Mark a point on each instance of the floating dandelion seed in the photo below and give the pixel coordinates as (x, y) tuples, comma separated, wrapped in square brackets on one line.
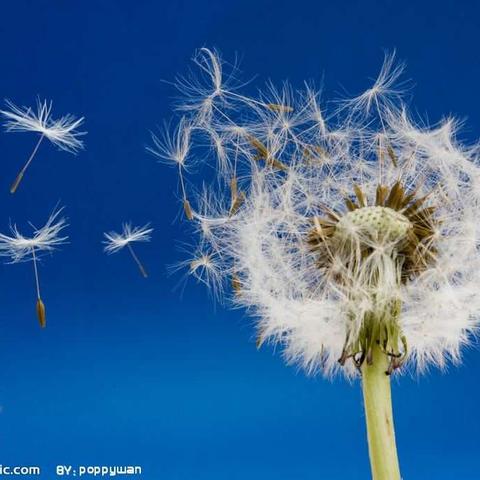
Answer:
[(385, 94), (356, 240), (62, 132), (203, 267), (22, 249), (210, 84), (175, 148), (116, 241)]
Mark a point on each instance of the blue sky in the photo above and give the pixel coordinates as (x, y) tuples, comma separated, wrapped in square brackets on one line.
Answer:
[(131, 371)]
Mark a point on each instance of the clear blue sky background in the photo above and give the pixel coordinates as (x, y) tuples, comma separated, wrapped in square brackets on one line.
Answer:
[(129, 371)]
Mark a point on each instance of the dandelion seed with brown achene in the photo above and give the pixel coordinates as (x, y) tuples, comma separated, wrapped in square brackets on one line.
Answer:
[(23, 249), (62, 132), (117, 241), (175, 149)]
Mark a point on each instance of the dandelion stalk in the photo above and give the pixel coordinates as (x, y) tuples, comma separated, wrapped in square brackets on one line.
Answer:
[(20, 175), (379, 417)]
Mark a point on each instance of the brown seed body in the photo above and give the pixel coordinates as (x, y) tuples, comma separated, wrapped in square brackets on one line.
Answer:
[(16, 183), (41, 314), (276, 107), (188, 210)]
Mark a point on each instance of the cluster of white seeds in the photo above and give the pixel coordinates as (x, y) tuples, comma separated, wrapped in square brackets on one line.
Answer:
[(280, 161)]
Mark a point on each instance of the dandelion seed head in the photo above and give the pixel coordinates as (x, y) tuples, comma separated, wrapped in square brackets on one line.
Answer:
[(375, 221), (338, 228)]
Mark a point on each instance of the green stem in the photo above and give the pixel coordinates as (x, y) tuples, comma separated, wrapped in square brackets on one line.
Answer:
[(379, 417)]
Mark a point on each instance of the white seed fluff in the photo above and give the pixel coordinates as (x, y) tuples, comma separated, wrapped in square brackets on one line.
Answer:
[(62, 132), (20, 248), (115, 241), (291, 162)]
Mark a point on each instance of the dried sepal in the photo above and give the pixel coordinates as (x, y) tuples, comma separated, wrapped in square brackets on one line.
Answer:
[(360, 196), (381, 195), (392, 155)]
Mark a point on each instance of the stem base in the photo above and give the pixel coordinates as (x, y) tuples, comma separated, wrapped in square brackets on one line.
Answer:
[(379, 417)]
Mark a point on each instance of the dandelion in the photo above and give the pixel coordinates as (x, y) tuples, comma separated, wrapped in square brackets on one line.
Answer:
[(355, 241), (62, 132), (116, 241), (22, 249)]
